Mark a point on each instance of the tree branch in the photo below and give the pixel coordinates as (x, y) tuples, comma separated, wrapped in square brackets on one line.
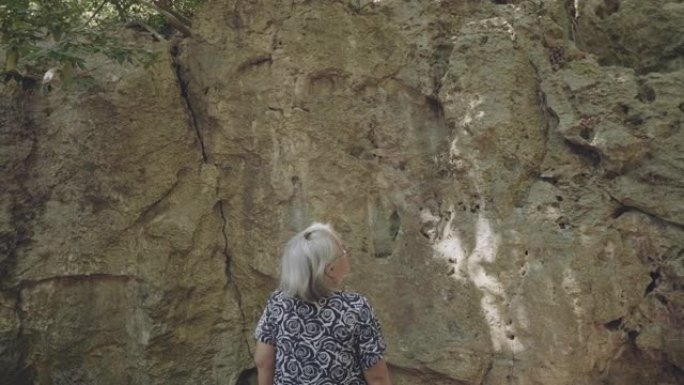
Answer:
[(164, 4), (152, 31), (96, 12), (170, 18)]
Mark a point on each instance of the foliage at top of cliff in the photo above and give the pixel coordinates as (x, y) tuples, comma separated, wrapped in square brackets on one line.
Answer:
[(37, 35)]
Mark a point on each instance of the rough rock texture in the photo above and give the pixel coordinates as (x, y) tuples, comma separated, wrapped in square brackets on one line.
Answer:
[(509, 177)]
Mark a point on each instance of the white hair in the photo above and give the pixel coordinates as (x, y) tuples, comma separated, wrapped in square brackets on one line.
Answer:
[(304, 260)]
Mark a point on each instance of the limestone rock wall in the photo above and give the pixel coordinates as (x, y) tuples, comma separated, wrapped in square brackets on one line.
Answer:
[(508, 177)]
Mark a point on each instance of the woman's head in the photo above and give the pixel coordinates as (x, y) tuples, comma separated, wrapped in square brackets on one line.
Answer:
[(314, 262)]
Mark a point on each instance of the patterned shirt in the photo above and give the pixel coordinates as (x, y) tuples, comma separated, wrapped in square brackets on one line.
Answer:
[(328, 343)]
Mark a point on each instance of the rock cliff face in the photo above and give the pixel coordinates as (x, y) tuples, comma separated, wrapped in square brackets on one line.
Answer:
[(508, 174)]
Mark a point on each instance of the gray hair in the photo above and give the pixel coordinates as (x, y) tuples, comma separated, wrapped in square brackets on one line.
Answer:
[(304, 261)]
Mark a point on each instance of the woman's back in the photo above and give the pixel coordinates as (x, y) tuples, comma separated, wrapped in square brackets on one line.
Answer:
[(328, 342)]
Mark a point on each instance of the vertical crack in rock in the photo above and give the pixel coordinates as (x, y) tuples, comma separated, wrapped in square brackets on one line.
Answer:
[(655, 280), (549, 116), (571, 8), (193, 118), (230, 277), (441, 57), (185, 96)]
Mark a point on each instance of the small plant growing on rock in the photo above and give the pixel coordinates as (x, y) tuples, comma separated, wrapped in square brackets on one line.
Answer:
[(44, 38)]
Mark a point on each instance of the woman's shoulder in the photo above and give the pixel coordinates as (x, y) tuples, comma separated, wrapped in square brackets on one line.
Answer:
[(278, 296), (353, 298)]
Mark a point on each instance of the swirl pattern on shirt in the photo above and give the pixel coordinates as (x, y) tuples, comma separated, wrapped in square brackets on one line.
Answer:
[(328, 343)]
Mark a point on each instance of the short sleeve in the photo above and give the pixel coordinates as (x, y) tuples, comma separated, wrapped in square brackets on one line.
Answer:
[(371, 342), (266, 328)]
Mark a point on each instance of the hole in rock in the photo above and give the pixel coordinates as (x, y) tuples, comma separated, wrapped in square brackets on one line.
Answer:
[(563, 223), (675, 371), (632, 335), (255, 62), (588, 153), (635, 120), (435, 106), (613, 325), (608, 8), (395, 224), (617, 213), (646, 93), (355, 151), (623, 108), (247, 377), (586, 133), (661, 298)]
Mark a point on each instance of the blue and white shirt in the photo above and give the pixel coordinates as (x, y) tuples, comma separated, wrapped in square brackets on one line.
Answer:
[(328, 343)]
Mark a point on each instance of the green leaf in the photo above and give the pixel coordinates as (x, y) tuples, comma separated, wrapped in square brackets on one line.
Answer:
[(58, 33)]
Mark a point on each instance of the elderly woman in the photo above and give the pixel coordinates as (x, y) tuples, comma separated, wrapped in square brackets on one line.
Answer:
[(311, 334)]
